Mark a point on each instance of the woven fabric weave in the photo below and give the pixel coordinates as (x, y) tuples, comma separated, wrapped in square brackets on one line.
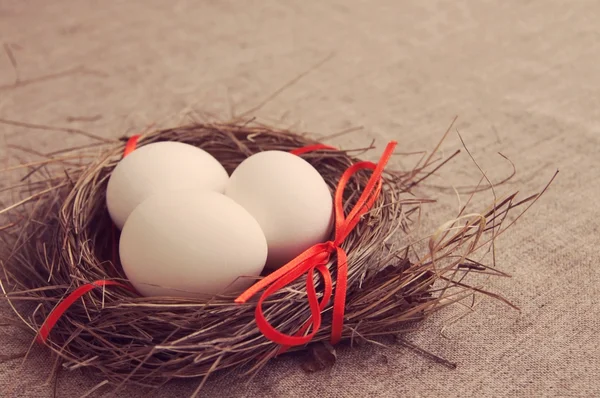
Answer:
[(523, 78)]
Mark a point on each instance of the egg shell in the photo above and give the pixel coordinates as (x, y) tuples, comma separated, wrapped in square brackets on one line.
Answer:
[(288, 197), (160, 167), (191, 243)]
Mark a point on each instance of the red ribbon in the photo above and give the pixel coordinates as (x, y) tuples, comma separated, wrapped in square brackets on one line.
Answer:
[(64, 305), (131, 144), (316, 258), (312, 148)]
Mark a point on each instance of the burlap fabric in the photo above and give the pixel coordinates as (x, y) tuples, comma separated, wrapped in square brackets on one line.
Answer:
[(523, 76)]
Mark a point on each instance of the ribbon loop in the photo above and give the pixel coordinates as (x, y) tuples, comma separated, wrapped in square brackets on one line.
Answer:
[(317, 258)]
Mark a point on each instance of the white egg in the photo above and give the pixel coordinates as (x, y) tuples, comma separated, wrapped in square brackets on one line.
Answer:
[(289, 199), (191, 243), (160, 167)]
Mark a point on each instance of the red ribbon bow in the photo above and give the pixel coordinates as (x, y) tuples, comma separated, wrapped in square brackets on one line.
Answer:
[(317, 257)]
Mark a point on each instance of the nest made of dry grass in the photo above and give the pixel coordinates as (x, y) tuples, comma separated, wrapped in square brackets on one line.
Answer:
[(59, 236)]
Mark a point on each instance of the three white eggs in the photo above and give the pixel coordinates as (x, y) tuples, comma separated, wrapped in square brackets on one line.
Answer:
[(190, 230)]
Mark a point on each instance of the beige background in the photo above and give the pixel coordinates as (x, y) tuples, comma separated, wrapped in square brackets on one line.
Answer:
[(523, 76)]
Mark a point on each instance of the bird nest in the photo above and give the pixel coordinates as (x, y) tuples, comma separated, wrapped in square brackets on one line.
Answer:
[(58, 237)]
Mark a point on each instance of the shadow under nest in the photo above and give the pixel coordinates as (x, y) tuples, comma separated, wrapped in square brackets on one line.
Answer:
[(60, 237)]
